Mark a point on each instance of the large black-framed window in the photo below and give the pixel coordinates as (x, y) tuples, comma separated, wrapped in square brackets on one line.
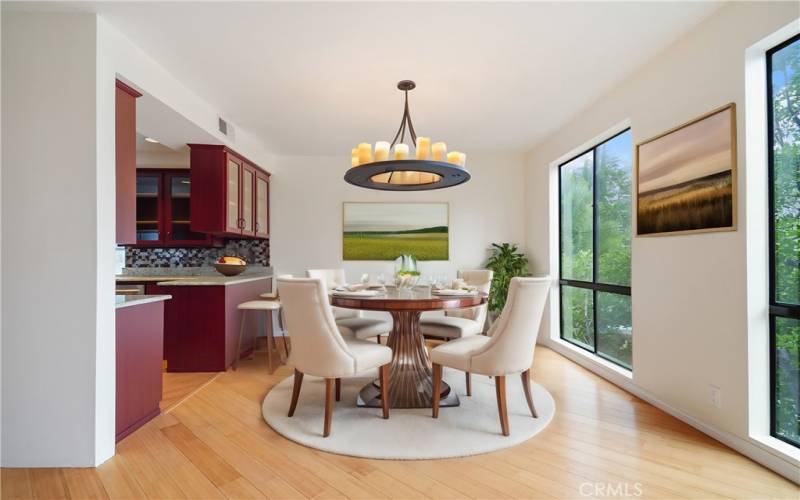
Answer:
[(783, 110), (595, 249)]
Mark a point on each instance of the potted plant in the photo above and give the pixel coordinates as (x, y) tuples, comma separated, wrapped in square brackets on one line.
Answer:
[(506, 261)]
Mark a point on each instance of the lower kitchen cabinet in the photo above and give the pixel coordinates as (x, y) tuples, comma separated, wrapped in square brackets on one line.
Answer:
[(140, 347), (202, 322)]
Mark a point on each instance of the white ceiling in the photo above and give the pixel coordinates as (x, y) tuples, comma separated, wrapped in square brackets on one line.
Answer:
[(317, 78)]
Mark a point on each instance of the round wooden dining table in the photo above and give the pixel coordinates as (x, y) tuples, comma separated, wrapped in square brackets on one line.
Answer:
[(410, 383)]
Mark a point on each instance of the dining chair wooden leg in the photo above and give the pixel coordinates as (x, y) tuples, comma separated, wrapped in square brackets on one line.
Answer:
[(437, 387), (329, 383), (285, 333), (239, 344), (500, 389), (338, 389), (298, 381), (469, 383), (384, 376), (526, 386), (378, 339), (268, 331)]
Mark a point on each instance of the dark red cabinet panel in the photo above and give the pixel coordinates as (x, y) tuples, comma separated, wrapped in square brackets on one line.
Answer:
[(140, 348), (125, 137), (201, 324), (163, 210), (225, 186)]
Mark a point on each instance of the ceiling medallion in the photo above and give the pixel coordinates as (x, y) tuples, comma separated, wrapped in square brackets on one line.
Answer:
[(389, 168)]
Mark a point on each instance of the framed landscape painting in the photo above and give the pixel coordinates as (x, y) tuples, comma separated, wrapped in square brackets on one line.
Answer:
[(385, 231), (686, 177)]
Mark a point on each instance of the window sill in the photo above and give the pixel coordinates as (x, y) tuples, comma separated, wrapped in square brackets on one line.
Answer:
[(777, 447), (562, 345)]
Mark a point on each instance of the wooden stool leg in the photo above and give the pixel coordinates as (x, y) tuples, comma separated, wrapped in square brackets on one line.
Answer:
[(298, 381), (328, 406), (239, 344), (384, 376), (500, 389), (338, 389), (526, 386), (437, 387), (469, 383)]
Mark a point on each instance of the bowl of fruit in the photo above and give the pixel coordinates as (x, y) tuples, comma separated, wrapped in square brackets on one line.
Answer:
[(230, 266)]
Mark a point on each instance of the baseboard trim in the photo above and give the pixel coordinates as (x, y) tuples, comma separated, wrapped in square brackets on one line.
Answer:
[(785, 466)]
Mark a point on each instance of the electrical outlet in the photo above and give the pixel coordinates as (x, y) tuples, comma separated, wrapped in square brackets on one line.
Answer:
[(715, 395)]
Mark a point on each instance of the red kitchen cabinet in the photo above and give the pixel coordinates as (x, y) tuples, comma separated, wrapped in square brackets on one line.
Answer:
[(202, 324), (230, 193), (262, 205), (163, 210), (140, 349), (125, 137)]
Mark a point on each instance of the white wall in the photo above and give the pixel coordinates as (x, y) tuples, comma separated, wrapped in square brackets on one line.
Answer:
[(51, 320), (306, 217), (58, 347), (689, 292)]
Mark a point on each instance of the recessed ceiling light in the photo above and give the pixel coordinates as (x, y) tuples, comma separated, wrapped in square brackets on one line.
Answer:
[(150, 139)]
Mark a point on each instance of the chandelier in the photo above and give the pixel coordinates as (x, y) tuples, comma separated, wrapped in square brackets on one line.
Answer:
[(389, 167)]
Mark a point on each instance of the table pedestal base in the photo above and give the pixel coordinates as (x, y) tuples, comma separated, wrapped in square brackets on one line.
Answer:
[(410, 383)]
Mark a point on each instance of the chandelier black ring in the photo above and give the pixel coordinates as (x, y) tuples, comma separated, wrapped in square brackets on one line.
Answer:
[(450, 174), (409, 174)]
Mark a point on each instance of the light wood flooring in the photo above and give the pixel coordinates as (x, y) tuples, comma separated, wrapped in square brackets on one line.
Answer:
[(602, 442)]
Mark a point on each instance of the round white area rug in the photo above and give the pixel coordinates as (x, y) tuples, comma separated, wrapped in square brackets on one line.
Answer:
[(469, 429)]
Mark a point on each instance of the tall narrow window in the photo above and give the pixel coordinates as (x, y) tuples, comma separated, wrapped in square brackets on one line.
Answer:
[(595, 194), (783, 81)]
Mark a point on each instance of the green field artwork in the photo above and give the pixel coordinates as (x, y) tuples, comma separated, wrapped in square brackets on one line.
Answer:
[(385, 231)]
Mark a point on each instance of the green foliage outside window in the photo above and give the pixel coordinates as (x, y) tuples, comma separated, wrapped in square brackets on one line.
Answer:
[(609, 180), (785, 103)]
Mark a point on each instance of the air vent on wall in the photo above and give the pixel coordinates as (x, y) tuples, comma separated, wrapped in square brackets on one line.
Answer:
[(223, 125)]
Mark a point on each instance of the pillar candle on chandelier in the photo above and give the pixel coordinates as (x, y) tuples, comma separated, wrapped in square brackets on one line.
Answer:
[(439, 151), (401, 151), (364, 153), (381, 151)]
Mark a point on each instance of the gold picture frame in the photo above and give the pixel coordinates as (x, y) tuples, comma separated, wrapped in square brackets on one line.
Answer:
[(691, 191), (435, 250)]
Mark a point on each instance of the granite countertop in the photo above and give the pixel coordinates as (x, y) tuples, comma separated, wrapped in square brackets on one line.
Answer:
[(213, 280), (137, 279), (135, 300), (198, 276)]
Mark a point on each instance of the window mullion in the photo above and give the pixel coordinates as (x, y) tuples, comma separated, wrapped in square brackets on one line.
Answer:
[(594, 244)]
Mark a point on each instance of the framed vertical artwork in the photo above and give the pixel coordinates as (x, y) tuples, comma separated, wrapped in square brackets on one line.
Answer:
[(686, 177)]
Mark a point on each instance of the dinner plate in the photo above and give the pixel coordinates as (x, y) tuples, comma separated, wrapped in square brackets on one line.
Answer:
[(455, 293), (357, 293)]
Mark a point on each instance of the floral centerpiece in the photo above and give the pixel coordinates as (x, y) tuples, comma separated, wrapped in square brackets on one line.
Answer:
[(406, 273)]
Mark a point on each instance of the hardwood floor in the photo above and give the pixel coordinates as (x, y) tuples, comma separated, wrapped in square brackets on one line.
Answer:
[(179, 386), (602, 442)]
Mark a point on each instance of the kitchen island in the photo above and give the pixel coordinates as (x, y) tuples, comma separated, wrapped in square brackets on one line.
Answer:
[(202, 321), (139, 354)]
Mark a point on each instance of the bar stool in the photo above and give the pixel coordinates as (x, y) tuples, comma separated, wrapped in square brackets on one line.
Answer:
[(273, 297), (268, 306)]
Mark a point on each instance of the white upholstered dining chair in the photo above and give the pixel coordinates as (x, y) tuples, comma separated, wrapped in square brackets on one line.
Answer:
[(458, 323), (350, 321), (508, 349), (318, 349)]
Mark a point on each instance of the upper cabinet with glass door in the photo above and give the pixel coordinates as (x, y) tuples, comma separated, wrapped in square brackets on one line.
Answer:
[(231, 194), (163, 210)]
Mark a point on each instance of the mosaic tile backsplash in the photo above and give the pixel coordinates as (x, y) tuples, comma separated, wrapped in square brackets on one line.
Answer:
[(253, 251)]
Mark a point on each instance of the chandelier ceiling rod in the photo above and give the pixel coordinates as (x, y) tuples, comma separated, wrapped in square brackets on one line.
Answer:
[(405, 86)]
